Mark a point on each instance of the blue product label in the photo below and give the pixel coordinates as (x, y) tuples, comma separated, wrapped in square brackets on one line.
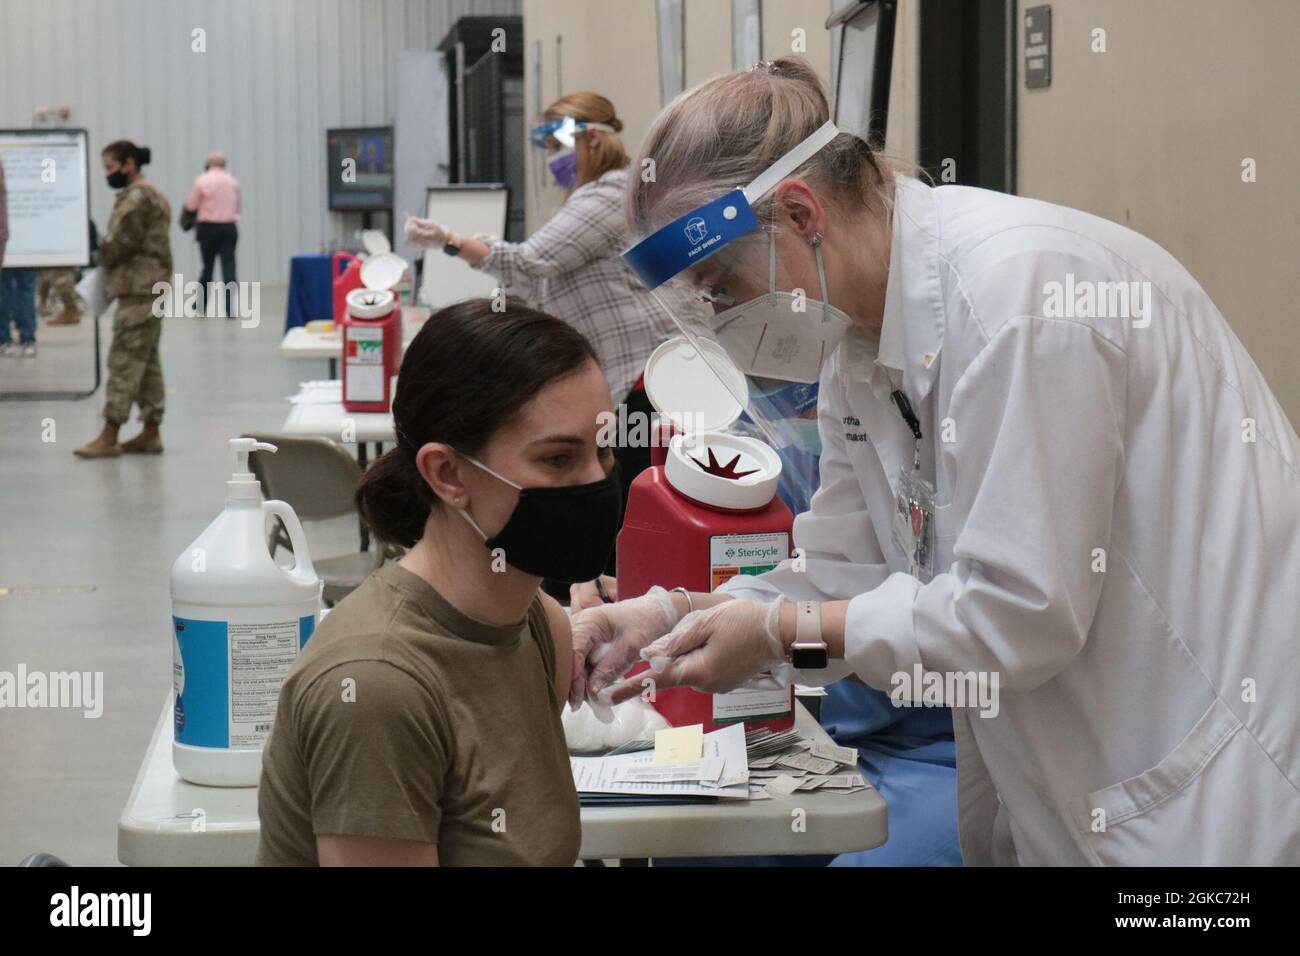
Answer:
[(229, 677), (202, 704)]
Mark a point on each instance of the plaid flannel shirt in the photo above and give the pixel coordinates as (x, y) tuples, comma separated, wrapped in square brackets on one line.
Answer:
[(571, 267)]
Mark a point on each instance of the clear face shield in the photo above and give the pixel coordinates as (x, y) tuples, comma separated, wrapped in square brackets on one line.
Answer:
[(559, 138), (758, 294)]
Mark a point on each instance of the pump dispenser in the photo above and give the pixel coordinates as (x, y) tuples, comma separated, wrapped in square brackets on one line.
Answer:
[(239, 621), (243, 483)]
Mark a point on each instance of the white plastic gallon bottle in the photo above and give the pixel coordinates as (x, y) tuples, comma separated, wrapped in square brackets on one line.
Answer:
[(239, 621)]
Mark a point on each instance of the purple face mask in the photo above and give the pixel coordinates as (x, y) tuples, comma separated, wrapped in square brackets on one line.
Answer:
[(564, 167)]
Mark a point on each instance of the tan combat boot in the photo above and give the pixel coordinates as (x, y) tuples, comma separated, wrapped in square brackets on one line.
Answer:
[(148, 442), (104, 446), (66, 317)]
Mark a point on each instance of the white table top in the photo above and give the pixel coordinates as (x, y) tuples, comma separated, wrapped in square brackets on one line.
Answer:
[(317, 412), (299, 343), (158, 825)]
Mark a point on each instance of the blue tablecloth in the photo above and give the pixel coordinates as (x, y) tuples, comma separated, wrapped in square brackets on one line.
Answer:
[(311, 290)]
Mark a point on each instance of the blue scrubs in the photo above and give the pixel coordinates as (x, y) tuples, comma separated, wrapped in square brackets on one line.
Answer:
[(909, 755)]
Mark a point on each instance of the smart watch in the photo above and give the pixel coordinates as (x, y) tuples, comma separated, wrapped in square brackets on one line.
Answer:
[(809, 651), (449, 247)]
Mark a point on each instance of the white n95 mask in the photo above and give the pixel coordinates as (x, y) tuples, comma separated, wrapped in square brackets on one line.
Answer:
[(782, 335), (769, 350)]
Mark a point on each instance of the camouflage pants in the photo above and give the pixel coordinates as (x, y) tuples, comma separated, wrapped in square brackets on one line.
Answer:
[(134, 371), (59, 285)]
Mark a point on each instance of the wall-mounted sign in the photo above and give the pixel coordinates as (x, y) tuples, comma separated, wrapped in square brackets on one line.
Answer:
[(1038, 47)]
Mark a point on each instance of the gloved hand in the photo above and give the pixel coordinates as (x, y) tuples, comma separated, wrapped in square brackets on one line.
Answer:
[(425, 233), (735, 644), (608, 638)]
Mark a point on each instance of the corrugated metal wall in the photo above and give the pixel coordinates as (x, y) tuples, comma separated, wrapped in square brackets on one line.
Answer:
[(275, 75)]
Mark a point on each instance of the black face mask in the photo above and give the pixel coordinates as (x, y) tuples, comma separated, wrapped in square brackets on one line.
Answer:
[(563, 533), (116, 180)]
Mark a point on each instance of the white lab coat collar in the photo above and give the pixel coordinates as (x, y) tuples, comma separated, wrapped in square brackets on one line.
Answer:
[(912, 329), (890, 351)]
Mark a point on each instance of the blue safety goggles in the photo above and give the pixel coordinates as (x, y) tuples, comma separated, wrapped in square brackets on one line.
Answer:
[(564, 131), (693, 237)]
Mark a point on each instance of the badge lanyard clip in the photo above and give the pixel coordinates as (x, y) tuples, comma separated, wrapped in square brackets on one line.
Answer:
[(914, 507), (913, 423)]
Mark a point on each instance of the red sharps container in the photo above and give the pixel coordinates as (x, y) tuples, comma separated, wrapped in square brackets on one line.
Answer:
[(372, 336), (705, 511)]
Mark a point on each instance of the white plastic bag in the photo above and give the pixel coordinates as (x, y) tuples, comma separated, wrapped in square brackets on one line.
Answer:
[(634, 719), (91, 290)]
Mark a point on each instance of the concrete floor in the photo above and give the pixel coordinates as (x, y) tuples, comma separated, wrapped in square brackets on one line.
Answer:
[(86, 549)]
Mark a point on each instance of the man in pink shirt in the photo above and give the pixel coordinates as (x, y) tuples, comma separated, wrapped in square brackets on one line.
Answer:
[(215, 199)]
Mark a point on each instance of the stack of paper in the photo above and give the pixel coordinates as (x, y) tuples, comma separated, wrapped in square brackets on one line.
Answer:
[(685, 762), (324, 392), (783, 763)]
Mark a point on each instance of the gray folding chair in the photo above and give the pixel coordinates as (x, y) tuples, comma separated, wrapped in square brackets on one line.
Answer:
[(41, 859), (318, 478)]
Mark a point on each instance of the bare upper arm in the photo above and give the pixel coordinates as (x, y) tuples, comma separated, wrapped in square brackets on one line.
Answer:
[(562, 637), (332, 850)]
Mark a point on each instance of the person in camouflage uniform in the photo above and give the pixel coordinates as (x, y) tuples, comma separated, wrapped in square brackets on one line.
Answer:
[(59, 285), (134, 254)]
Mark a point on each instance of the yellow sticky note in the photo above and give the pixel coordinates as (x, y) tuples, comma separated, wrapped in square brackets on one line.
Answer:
[(679, 744)]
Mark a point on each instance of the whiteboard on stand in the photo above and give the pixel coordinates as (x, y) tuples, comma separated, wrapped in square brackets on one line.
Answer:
[(465, 209), (48, 186)]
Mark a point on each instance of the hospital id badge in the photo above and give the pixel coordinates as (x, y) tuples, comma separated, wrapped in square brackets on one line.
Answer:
[(914, 522)]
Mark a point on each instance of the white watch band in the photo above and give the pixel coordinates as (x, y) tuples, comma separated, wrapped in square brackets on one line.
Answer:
[(808, 622)]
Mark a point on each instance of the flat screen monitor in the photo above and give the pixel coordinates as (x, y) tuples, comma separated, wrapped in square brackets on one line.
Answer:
[(360, 170), (48, 188)]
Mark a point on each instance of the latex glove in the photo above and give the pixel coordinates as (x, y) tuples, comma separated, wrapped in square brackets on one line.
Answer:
[(425, 233), (585, 595), (608, 639), (735, 644)]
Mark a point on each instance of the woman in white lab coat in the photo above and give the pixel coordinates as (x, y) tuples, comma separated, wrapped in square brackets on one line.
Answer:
[(1056, 493)]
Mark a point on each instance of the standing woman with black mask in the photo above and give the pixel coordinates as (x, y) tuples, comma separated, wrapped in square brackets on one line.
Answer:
[(135, 254), (421, 723)]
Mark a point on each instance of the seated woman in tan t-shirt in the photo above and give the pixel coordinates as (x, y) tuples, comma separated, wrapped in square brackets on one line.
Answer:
[(421, 723)]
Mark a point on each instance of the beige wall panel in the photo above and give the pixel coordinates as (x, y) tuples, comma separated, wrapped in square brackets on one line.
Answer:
[(608, 47), (1152, 134), (708, 39), (782, 17), (613, 49), (904, 84)]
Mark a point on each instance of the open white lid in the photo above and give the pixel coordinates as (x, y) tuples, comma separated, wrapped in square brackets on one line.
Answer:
[(370, 303), (374, 242), (382, 270), (685, 388)]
